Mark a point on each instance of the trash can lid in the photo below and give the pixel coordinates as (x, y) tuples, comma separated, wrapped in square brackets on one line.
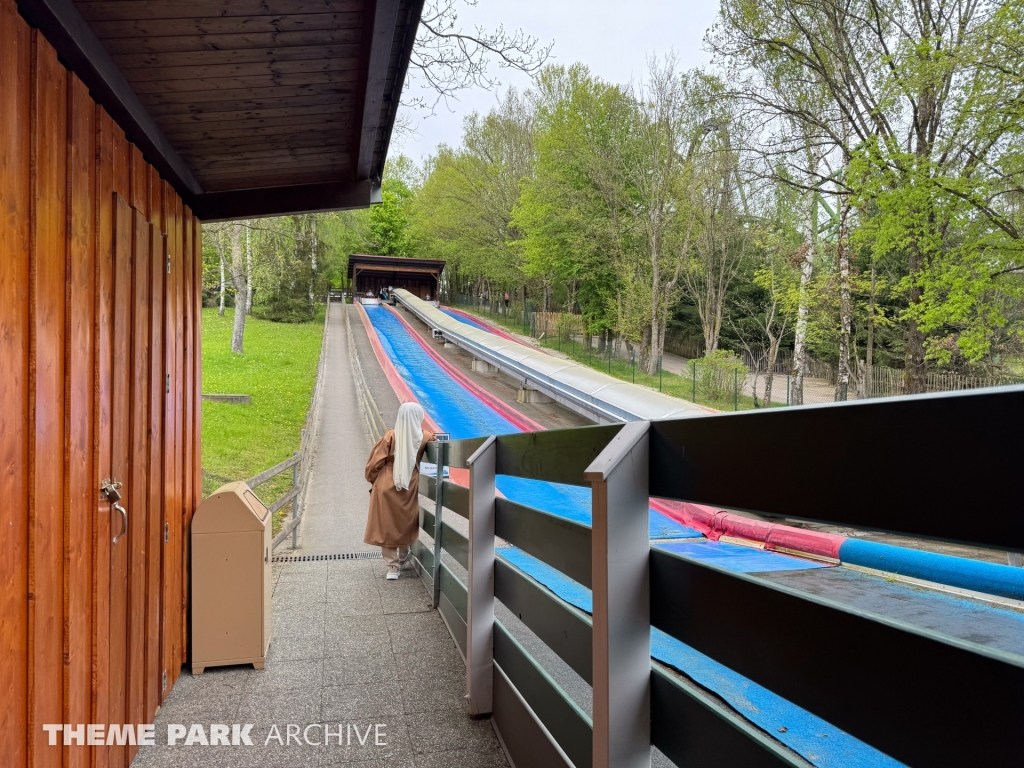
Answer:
[(232, 507)]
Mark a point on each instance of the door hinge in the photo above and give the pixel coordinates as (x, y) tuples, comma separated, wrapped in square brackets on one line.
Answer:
[(168, 263), (167, 532), (167, 384), (164, 680)]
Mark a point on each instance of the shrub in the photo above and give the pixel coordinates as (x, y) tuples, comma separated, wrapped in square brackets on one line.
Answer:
[(719, 373), (286, 309)]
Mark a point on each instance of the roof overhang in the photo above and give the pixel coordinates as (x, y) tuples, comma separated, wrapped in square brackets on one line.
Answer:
[(247, 109), (393, 264)]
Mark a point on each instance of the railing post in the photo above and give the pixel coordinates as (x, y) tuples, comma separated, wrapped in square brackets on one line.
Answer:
[(621, 600), (295, 501), (480, 608), (435, 589)]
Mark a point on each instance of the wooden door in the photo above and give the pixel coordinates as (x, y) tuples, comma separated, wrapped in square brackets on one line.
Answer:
[(120, 443)]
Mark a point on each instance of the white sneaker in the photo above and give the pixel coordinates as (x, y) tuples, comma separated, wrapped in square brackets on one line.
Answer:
[(392, 575)]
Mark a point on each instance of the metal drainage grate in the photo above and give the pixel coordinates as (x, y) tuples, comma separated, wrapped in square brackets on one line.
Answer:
[(317, 558)]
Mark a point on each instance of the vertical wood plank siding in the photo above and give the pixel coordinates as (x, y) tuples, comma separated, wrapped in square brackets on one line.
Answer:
[(92, 324), (15, 427)]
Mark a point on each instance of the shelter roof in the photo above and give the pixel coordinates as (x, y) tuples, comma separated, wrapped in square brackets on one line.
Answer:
[(248, 107), (394, 264)]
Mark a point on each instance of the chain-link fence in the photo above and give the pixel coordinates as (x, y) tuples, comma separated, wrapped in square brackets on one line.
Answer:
[(721, 380)]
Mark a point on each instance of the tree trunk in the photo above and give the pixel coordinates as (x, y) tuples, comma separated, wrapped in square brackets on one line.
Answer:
[(845, 309), (238, 276), (312, 258), (803, 308), (248, 269), (647, 355), (769, 376), (915, 374), (868, 355), (220, 251)]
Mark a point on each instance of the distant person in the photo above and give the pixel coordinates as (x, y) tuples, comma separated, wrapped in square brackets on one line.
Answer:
[(393, 522), (506, 299), (369, 293)]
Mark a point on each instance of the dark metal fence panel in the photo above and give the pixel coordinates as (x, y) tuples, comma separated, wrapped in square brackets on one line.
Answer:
[(453, 542), (452, 606), (564, 720), (558, 455), (561, 627), (561, 543), (456, 497), (930, 460), (921, 697), (691, 728)]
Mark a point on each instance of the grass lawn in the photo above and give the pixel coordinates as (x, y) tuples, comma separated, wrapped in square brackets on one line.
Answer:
[(278, 370)]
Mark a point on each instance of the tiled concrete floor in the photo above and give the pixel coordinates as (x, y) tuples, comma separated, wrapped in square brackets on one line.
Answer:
[(349, 648)]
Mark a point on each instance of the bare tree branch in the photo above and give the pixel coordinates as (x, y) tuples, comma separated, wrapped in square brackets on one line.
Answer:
[(450, 59)]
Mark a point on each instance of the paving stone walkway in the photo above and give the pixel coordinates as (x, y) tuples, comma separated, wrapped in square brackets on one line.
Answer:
[(349, 650)]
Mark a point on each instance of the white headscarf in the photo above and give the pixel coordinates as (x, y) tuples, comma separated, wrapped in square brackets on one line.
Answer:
[(408, 436)]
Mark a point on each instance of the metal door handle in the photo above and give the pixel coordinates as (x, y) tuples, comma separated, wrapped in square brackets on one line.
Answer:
[(111, 490), (124, 522)]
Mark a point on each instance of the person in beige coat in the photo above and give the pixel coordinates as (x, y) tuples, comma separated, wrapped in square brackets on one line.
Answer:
[(393, 522)]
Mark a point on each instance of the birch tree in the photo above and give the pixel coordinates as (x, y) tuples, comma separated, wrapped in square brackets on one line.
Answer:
[(241, 281)]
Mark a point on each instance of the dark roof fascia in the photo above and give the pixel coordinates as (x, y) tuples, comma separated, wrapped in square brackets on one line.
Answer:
[(282, 201), (82, 52), (412, 28), (381, 40), (397, 262)]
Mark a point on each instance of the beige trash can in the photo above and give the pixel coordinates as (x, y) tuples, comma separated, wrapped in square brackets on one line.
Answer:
[(231, 585)]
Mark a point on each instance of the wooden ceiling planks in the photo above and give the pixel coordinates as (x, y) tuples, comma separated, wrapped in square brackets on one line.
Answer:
[(239, 41), (211, 58), (305, 105), (227, 25), (296, 125), (210, 72), (130, 10), (252, 94)]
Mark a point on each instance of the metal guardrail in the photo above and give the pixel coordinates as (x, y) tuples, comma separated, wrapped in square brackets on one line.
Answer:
[(608, 400), (916, 694)]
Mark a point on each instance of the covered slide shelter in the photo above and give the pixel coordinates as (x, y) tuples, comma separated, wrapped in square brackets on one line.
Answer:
[(126, 124), (420, 277)]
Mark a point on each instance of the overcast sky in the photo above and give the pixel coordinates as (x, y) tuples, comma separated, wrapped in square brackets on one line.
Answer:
[(612, 37)]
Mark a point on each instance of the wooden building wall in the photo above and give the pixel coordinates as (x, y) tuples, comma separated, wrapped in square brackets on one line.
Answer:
[(100, 269)]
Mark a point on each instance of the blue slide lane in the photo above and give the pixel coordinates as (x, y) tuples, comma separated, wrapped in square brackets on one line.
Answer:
[(819, 742), (462, 414), (466, 320), (739, 559), (990, 578)]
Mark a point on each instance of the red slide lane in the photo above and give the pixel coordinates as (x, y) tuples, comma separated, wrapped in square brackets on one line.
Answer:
[(716, 523)]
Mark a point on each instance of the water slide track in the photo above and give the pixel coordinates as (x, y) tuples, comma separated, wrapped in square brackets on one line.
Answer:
[(468, 411), (458, 405)]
